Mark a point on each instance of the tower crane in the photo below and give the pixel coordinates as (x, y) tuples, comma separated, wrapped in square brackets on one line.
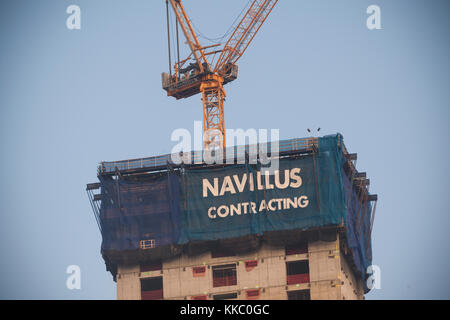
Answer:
[(198, 74)]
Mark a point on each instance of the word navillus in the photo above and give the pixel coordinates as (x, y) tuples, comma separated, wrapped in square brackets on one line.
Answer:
[(234, 184), (264, 206)]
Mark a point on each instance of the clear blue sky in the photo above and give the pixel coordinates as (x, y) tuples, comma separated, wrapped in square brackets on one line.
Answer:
[(70, 99)]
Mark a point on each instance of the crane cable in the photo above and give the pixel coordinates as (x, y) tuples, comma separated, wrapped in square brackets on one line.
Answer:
[(226, 34), (171, 40), (168, 38), (230, 29)]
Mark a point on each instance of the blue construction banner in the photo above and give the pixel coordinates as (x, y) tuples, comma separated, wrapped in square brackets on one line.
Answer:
[(239, 200)]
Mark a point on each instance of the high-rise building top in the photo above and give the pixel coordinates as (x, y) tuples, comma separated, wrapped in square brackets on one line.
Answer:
[(236, 229)]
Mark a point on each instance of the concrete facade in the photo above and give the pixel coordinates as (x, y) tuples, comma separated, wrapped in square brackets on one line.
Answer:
[(330, 275)]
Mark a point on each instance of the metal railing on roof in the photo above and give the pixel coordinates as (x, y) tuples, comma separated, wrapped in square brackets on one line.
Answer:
[(152, 163)]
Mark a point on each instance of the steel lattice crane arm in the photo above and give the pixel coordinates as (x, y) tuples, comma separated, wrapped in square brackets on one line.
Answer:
[(189, 33), (244, 34)]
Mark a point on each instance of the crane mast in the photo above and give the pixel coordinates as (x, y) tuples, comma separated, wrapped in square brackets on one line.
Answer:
[(201, 77)]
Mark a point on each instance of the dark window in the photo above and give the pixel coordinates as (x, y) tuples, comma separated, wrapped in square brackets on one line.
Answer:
[(227, 296), (222, 253), (297, 272), (299, 295), (297, 249), (151, 266), (297, 267), (224, 275), (150, 284), (152, 288)]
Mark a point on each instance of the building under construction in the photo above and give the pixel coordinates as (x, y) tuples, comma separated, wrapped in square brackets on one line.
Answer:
[(235, 231)]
